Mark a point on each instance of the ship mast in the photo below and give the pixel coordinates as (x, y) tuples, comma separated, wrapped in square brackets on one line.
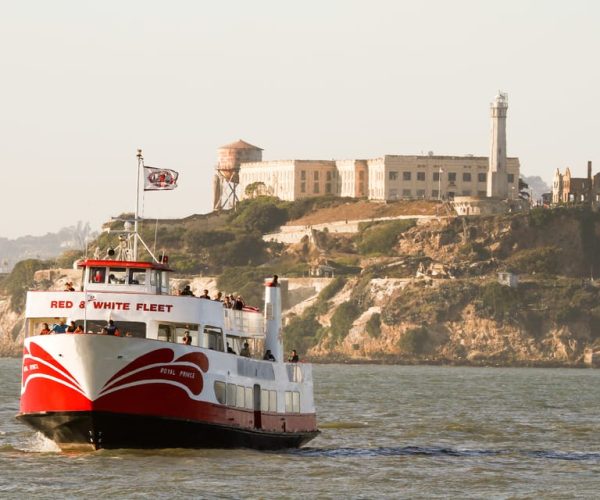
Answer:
[(137, 204)]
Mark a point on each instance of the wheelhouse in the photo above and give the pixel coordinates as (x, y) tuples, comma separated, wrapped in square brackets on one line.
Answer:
[(125, 276)]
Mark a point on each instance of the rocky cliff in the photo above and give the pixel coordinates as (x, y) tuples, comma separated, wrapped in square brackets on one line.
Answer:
[(434, 295)]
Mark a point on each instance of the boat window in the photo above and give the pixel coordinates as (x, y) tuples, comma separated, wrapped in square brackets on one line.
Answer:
[(165, 333), (288, 402), (272, 400), (268, 400), (137, 276), (249, 398), (126, 328), (220, 391), (240, 397), (191, 329), (231, 393), (264, 400), (97, 274), (164, 283), (117, 275), (212, 338), (296, 402)]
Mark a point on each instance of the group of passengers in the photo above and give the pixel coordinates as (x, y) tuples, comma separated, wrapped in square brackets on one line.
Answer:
[(229, 301), (73, 327)]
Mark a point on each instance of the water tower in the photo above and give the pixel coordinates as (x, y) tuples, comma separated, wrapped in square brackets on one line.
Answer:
[(227, 175)]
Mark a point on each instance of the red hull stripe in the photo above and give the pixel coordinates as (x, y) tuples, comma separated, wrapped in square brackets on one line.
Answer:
[(158, 400)]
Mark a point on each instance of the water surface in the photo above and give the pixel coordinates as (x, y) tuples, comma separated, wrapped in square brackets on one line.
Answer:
[(388, 432)]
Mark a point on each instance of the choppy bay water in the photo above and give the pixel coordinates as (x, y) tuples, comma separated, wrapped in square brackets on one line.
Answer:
[(388, 432)]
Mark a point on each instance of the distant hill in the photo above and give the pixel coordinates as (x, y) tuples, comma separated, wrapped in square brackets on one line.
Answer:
[(43, 247), (537, 185)]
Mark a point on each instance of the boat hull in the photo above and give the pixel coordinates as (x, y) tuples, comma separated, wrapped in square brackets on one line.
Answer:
[(97, 429)]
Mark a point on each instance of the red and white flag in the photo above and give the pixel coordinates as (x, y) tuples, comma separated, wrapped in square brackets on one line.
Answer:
[(159, 179)]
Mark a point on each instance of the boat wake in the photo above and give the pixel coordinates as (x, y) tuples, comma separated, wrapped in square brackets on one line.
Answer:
[(432, 451), (38, 443)]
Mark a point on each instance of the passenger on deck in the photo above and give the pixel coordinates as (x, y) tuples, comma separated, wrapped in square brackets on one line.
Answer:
[(227, 303), (79, 329), (187, 339), (218, 297), (230, 350), (111, 328), (59, 327), (69, 287), (239, 303), (71, 328), (186, 291), (245, 352), (293, 357), (45, 329), (205, 295), (269, 356)]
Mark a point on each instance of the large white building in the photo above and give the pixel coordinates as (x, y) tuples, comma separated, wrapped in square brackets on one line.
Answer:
[(390, 177)]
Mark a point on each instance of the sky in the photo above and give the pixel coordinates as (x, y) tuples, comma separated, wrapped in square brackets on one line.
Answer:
[(86, 83)]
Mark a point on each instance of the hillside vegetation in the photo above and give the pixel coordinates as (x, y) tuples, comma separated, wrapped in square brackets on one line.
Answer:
[(403, 291)]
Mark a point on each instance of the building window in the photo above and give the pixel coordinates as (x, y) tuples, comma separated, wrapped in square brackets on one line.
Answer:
[(316, 187), (466, 176), (451, 177), (420, 193), (406, 176), (303, 187), (328, 188), (393, 176), (361, 175), (328, 176), (435, 194), (511, 178), (481, 177), (316, 175), (466, 192), (450, 195), (483, 194), (420, 176), (406, 193), (436, 176), (393, 194), (302, 175)]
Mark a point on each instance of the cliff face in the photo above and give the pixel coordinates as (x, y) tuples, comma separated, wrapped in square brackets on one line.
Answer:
[(461, 332), (435, 298)]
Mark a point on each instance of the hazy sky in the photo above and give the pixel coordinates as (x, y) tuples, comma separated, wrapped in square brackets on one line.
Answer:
[(85, 83)]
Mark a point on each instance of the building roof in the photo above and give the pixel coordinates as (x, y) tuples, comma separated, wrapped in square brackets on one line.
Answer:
[(240, 145)]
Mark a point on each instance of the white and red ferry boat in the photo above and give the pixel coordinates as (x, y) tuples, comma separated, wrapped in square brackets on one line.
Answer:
[(146, 388)]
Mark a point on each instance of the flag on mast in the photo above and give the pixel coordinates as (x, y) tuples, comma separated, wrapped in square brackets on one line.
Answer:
[(159, 179)]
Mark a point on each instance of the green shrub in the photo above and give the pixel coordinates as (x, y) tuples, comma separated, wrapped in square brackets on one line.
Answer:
[(300, 333), (541, 260), (245, 249), (334, 286), (20, 280), (475, 250), (342, 320), (382, 238), (198, 238), (373, 326), (262, 214), (498, 301), (415, 340)]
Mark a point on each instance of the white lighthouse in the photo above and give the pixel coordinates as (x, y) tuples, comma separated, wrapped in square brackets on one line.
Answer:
[(497, 179)]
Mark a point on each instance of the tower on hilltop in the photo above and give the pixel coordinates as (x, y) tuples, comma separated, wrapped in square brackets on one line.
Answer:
[(497, 179), (227, 175)]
